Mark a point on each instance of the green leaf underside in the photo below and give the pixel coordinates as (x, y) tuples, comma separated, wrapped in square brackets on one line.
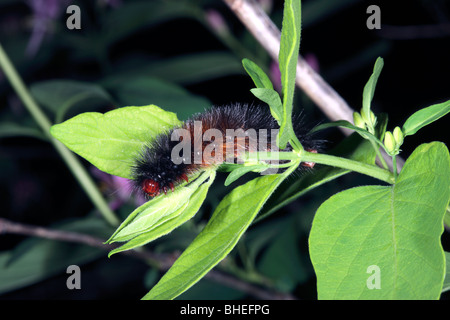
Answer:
[(258, 76), (150, 213), (264, 89), (62, 94), (396, 228), (288, 57), (272, 98), (240, 171), (229, 221), (424, 117), (369, 88), (110, 141), (174, 219)]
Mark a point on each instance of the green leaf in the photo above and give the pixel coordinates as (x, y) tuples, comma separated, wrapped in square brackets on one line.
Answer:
[(153, 212), (140, 90), (369, 88), (395, 228), (193, 67), (12, 129), (282, 260), (272, 98), (171, 220), (231, 218), (61, 95), (110, 141), (424, 117), (258, 76), (288, 57), (242, 170), (134, 16)]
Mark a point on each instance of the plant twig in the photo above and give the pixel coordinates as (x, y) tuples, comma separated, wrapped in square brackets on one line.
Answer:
[(268, 35), (42, 120), (161, 261)]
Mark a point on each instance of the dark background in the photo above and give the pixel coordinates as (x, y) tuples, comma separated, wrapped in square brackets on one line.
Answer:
[(135, 53)]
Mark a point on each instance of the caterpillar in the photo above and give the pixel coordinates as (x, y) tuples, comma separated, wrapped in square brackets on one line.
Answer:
[(220, 134)]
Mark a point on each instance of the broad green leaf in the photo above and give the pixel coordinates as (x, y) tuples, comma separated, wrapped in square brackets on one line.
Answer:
[(395, 228), (110, 141), (272, 98), (261, 235), (424, 117), (369, 88), (61, 95), (183, 70), (282, 261), (140, 90), (174, 219), (11, 129), (446, 285), (151, 214), (231, 218), (193, 67), (288, 57), (157, 211), (134, 16), (258, 76)]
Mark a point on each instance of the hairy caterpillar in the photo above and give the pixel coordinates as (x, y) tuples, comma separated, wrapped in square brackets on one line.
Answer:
[(211, 138)]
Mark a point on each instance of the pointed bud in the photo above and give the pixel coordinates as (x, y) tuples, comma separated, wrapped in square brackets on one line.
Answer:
[(363, 116), (398, 136), (389, 143), (358, 121)]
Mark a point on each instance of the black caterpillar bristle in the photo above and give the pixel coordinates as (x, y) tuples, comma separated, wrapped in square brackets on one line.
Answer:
[(154, 171)]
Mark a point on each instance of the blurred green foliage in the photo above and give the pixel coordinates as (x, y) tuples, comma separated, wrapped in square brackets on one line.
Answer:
[(183, 56)]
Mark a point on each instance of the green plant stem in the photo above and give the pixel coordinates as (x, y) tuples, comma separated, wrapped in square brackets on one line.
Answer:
[(325, 159), (361, 167), (72, 162), (379, 155), (394, 166), (295, 143)]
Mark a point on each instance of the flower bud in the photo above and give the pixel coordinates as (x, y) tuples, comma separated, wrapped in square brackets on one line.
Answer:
[(389, 143), (398, 136), (363, 116), (358, 121)]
